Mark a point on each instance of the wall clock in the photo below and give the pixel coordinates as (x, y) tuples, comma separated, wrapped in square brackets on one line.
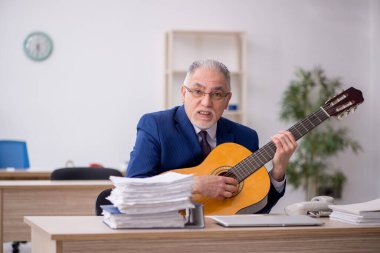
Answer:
[(38, 46)]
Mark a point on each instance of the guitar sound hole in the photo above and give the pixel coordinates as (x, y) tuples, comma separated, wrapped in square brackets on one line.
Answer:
[(227, 174)]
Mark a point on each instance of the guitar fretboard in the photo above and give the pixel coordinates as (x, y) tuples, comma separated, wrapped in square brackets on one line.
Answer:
[(258, 159)]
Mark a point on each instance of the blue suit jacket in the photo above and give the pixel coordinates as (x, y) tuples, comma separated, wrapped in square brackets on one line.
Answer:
[(166, 140)]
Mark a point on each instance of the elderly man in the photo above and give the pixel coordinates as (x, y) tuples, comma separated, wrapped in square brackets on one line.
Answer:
[(170, 139)]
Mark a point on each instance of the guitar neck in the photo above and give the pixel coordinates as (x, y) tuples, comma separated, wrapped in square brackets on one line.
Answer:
[(258, 159)]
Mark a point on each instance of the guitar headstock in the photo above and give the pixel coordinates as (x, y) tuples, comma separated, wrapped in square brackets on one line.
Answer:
[(343, 103)]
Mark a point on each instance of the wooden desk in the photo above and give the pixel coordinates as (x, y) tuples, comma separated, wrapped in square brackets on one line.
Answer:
[(24, 175), (27, 175), (43, 197), (89, 234)]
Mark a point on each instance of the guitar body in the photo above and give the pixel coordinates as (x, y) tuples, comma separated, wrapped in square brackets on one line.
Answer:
[(252, 192)]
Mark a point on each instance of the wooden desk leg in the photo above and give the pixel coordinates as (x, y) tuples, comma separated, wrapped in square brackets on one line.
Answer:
[(41, 242), (1, 221)]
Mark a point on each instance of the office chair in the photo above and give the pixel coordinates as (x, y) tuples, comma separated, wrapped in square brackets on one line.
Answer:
[(84, 173), (13, 154), (88, 173), (101, 200)]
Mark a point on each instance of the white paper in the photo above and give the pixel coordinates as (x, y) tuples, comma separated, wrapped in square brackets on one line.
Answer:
[(359, 213), (358, 208), (166, 178), (152, 202)]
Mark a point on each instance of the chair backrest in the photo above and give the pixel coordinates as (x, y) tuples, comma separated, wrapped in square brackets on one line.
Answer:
[(13, 154), (101, 200), (84, 173)]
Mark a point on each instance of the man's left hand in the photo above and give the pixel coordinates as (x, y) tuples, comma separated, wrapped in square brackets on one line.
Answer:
[(285, 146)]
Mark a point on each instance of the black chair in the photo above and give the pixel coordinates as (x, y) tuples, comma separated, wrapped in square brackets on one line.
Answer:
[(88, 173), (84, 173), (101, 200)]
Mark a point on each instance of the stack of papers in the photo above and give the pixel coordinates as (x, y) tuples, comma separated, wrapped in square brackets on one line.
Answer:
[(367, 213), (149, 202)]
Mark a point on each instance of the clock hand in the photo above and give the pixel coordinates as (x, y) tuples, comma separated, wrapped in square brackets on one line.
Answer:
[(38, 47)]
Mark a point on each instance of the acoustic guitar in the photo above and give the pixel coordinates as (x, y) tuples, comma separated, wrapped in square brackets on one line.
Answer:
[(233, 160)]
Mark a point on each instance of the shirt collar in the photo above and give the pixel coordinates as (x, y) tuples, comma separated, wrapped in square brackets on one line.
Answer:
[(210, 131)]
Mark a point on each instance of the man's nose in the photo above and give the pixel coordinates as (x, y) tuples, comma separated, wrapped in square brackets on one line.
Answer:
[(206, 100)]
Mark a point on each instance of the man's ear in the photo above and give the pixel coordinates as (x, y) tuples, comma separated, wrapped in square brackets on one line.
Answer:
[(228, 100), (183, 92)]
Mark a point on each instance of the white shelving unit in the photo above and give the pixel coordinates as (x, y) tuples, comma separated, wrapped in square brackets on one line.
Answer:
[(228, 47)]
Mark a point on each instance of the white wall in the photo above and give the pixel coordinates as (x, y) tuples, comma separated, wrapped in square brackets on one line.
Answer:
[(107, 69), (375, 87)]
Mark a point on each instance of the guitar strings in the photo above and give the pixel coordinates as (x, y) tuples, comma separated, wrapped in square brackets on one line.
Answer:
[(266, 153)]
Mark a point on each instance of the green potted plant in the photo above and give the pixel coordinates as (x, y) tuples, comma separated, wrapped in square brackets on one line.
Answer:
[(309, 166)]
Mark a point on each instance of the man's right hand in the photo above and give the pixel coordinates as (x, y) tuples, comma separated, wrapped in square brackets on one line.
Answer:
[(217, 187)]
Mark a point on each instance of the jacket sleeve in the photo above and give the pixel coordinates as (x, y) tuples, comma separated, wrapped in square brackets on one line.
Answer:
[(145, 156), (273, 197)]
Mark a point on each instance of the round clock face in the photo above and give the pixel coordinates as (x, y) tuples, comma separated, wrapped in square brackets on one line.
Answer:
[(38, 46)]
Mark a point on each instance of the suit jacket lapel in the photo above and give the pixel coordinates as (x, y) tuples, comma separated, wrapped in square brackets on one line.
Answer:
[(224, 133)]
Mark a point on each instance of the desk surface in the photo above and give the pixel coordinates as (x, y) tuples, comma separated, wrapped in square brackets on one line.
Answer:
[(24, 175), (49, 184), (86, 227), (91, 235), (27, 174)]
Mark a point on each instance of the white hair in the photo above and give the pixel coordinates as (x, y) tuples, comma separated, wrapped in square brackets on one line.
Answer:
[(211, 64)]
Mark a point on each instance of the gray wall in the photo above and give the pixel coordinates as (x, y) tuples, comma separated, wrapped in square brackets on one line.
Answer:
[(107, 69)]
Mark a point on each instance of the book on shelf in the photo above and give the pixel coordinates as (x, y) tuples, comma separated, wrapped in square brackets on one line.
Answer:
[(358, 213)]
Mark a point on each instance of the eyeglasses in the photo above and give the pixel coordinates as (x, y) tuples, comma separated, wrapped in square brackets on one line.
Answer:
[(215, 95)]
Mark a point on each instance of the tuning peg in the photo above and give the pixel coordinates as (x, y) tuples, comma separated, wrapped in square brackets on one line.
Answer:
[(343, 115)]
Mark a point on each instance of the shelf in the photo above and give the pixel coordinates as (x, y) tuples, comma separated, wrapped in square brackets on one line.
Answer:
[(183, 71), (184, 47), (235, 113)]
